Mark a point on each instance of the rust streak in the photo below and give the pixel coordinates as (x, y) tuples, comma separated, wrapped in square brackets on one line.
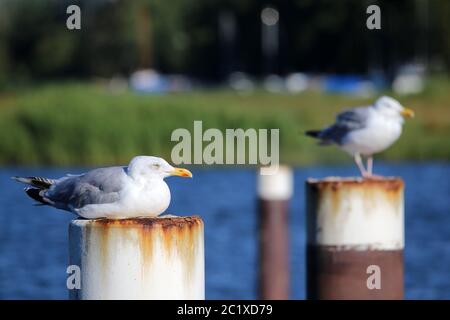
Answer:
[(335, 184), (167, 225), (176, 233), (145, 242), (147, 222), (334, 188), (104, 236)]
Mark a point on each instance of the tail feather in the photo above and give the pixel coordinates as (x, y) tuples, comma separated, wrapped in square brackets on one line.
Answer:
[(313, 133), (318, 134), (37, 182), (36, 194), (38, 186)]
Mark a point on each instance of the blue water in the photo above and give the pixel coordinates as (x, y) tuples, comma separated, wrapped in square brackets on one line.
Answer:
[(33, 239)]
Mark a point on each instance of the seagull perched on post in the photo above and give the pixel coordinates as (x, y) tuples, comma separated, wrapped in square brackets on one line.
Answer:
[(365, 131), (138, 190)]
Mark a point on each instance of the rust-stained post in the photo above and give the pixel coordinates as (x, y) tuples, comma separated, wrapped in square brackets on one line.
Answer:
[(274, 192), (141, 258), (355, 238)]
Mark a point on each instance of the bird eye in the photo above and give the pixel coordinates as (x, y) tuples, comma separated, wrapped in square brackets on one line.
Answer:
[(156, 166)]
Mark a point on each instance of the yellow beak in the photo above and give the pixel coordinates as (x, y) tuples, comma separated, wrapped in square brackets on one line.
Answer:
[(407, 113), (181, 172)]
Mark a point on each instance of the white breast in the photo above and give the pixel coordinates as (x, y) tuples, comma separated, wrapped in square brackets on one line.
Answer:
[(149, 199), (379, 134)]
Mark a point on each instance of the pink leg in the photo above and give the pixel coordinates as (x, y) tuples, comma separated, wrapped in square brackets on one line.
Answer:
[(370, 174), (359, 163)]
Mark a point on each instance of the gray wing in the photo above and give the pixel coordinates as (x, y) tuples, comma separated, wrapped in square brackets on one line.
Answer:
[(346, 121), (94, 187)]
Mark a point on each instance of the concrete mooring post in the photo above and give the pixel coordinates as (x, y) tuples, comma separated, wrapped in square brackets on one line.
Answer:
[(141, 258), (355, 238), (274, 193)]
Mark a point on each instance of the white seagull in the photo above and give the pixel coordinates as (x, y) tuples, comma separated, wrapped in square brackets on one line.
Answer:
[(365, 131), (138, 190)]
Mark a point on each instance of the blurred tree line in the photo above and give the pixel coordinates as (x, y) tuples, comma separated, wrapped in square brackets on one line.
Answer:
[(208, 39)]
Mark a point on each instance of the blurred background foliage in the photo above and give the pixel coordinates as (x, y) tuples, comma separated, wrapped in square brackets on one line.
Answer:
[(181, 36), (81, 123), (57, 106)]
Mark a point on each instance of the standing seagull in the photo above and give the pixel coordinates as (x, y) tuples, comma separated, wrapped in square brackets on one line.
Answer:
[(365, 131), (114, 192)]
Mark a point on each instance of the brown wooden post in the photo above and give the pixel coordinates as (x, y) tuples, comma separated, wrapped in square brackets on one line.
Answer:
[(355, 238), (274, 192)]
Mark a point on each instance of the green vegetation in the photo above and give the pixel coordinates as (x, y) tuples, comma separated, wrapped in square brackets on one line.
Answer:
[(84, 124)]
